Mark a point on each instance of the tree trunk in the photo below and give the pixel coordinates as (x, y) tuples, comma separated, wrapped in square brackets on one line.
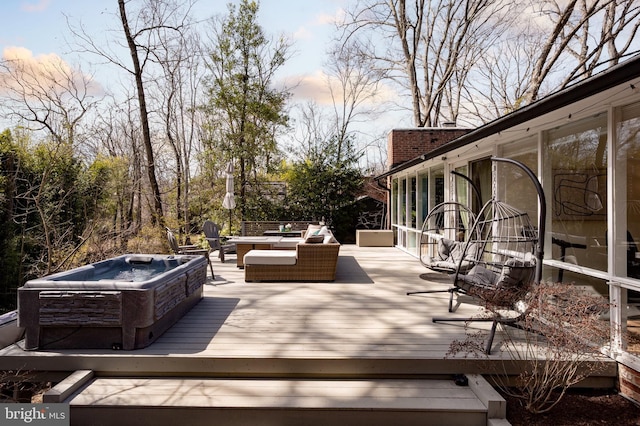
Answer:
[(157, 216)]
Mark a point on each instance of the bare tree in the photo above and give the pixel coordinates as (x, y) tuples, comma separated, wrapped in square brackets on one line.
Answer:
[(500, 80), (474, 60), (153, 20), (355, 87), (46, 95), (426, 47), (314, 127), (51, 97), (620, 28), (556, 44), (356, 90), (120, 141), (138, 69), (154, 31), (177, 94), (573, 44)]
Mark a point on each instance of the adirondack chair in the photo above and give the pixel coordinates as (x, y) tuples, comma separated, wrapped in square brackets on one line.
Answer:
[(188, 249), (212, 234)]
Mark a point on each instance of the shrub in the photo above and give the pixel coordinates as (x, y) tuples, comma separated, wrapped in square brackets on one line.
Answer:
[(560, 337), (150, 239)]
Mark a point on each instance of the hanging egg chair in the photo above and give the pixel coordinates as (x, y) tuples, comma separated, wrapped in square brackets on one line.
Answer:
[(445, 232), (506, 261)]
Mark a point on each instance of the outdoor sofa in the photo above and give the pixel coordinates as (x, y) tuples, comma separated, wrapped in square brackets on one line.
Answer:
[(315, 258)]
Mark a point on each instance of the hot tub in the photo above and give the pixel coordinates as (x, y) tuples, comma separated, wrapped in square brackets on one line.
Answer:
[(125, 302)]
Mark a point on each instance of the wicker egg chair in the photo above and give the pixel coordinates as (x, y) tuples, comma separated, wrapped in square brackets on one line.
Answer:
[(506, 261), (443, 237)]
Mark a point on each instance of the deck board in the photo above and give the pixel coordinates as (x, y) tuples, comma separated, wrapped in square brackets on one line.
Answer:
[(363, 323), (380, 394)]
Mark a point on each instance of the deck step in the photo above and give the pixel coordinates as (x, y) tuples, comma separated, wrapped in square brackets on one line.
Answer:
[(162, 400)]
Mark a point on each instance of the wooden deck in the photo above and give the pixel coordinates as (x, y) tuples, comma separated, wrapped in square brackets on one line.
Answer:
[(259, 328), (197, 401), (361, 325), (362, 328)]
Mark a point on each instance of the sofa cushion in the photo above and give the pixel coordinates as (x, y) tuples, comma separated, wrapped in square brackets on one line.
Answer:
[(270, 257), (288, 243)]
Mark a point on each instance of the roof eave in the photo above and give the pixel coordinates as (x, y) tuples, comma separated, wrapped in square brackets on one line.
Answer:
[(605, 80)]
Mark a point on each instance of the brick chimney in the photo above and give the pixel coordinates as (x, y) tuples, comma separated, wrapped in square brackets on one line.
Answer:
[(407, 144)]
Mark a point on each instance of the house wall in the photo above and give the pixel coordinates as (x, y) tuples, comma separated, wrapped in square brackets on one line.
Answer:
[(629, 382), (554, 144)]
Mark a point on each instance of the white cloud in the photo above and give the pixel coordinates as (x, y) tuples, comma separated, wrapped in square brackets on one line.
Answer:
[(329, 19), (307, 32), (311, 87), (25, 58), (38, 6), (303, 33), (317, 86), (33, 75)]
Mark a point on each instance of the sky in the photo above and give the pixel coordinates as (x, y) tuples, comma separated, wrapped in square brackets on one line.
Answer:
[(37, 31), (39, 27)]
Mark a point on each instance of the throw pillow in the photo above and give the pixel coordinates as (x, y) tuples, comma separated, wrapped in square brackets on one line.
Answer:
[(324, 231), (328, 235), (329, 239), (311, 230), (314, 239)]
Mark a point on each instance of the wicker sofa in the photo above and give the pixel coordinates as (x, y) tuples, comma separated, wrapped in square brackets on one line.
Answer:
[(308, 262)]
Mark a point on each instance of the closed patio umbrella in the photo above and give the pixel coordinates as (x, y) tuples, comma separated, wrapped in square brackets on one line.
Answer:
[(229, 201)]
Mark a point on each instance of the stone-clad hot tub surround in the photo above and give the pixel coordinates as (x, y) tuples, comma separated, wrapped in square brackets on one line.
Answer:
[(125, 302)]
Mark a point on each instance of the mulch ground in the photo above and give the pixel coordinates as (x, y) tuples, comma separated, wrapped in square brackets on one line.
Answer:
[(579, 408)]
